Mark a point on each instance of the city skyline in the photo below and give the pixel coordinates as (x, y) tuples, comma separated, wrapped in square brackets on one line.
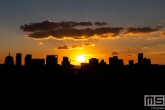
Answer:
[(53, 60), (93, 29)]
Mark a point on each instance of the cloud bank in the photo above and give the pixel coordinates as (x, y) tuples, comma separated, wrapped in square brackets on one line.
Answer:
[(63, 30), (68, 30), (141, 30)]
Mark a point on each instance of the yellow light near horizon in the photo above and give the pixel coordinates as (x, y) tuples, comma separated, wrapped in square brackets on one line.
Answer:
[(80, 58)]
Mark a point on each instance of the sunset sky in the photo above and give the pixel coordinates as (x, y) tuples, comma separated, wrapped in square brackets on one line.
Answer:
[(93, 28)]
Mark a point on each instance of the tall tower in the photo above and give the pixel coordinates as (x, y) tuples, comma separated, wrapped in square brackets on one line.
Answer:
[(51, 60), (18, 59), (9, 60), (28, 59), (65, 62), (140, 58)]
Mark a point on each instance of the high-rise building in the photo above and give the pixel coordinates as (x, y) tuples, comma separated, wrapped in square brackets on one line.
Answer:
[(65, 61), (113, 61), (93, 63), (9, 61), (18, 59), (131, 62), (140, 58), (146, 62), (28, 59), (120, 62), (149, 61), (51, 60)]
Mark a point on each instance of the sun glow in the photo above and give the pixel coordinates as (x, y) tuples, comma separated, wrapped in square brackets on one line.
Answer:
[(80, 58)]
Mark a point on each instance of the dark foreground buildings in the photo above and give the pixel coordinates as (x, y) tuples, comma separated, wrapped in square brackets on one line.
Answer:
[(114, 79)]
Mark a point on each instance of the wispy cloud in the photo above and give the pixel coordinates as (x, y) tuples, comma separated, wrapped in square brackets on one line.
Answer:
[(73, 47), (40, 43)]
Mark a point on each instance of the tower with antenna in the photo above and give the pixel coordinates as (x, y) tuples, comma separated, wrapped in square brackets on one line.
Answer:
[(9, 60)]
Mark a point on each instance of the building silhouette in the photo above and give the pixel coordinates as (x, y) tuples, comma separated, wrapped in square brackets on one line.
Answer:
[(37, 62), (65, 62), (28, 59), (131, 62), (120, 62), (93, 63), (18, 59), (9, 61), (140, 59), (84, 65), (102, 62), (146, 62), (113, 61), (51, 60)]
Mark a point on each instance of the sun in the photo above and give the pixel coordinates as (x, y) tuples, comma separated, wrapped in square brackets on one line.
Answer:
[(80, 58)]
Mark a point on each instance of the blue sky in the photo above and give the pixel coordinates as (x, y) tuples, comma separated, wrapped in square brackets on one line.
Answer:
[(117, 13)]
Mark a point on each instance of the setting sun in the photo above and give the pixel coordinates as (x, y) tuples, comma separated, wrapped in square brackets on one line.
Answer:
[(80, 58)]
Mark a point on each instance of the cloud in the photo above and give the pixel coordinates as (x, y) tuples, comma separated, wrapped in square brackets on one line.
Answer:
[(77, 47), (88, 44), (61, 30), (100, 23), (47, 25), (69, 47), (67, 30), (141, 30), (75, 33), (73, 47), (162, 34), (114, 53), (40, 43), (62, 47)]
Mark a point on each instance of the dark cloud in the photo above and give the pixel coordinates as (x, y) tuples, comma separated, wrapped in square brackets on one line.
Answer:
[(67, 29), (100, 23), (141, 30), (43, 26), (75, 33), (114, 53), (48, 25), (162, 34), (62, 47)]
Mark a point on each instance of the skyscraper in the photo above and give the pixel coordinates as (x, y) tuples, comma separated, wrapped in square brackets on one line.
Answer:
[(131, 62), (51, 60), (113, 61), (18, 59), (65, 62), (140, 58), (28, 60), (93, 63), (9, 60)]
